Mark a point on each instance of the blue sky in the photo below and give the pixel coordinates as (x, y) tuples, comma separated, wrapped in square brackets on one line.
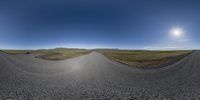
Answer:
[(136, 24)]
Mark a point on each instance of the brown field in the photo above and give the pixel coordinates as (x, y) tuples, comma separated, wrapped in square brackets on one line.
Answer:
[(51, 54), (146, 59)]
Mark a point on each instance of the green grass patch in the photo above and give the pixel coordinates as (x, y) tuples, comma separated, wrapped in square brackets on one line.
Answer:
[(14, 52)]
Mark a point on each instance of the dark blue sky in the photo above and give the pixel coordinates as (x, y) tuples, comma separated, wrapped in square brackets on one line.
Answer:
[(133, 24)]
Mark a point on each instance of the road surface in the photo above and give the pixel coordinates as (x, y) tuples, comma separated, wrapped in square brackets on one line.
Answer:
[(95, 77)]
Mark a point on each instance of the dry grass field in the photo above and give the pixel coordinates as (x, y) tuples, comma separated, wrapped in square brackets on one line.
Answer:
[(51, 54), (145, 59)]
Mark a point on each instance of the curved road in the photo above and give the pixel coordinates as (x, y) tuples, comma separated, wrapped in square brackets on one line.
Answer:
[(93, 76)]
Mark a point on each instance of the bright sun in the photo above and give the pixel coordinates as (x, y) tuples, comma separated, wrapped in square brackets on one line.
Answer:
[(176, 32)]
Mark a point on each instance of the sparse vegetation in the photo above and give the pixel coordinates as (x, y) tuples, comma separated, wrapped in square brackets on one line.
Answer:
[(60, 53), (14, 52), (145, 59), (51, 54)]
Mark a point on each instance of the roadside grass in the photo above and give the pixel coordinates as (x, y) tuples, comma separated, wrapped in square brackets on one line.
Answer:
[(15, 52), (60, 53), (51, 54), (146, 59)]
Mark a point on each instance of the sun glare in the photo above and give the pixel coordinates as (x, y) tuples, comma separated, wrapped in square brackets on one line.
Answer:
[(176, 32)]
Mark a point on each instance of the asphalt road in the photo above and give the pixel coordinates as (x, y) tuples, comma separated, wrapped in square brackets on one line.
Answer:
[(95, 77)]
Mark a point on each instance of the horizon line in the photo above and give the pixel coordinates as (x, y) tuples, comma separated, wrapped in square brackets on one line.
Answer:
[(161, 49)]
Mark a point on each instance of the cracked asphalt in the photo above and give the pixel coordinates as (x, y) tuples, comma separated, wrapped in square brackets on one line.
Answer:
[(95, 77)]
